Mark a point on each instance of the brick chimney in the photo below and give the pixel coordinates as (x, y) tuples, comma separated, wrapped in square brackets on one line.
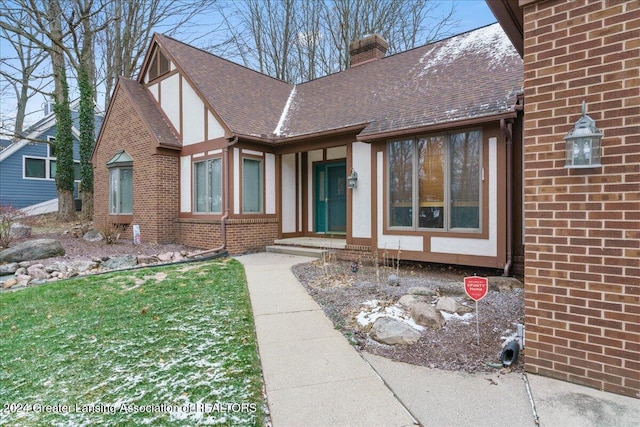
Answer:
[(368, 48)]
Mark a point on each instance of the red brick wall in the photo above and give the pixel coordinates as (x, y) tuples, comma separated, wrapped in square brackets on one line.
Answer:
[(243, 235), (582, 261), (155, 176)]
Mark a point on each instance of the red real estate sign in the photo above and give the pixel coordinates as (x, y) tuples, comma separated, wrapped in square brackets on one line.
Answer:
[(476, 287)]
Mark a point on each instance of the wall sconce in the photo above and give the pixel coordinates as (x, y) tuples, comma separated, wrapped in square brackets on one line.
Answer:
[(352, 179), (583, 143)]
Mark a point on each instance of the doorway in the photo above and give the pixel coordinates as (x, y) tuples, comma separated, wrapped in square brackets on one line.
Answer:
[(330, 197)]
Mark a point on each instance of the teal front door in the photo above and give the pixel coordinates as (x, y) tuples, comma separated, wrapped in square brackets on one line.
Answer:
[(330, 197)]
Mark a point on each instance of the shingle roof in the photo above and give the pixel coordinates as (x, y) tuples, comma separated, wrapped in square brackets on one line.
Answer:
[(472, 75), (148, 110)]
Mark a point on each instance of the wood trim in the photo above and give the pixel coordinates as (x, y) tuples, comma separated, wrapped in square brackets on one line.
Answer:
[(204, 146), (121, 219), (349, 191)]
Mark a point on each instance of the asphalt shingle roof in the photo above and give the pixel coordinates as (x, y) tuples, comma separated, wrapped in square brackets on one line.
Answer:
[(472, 75)]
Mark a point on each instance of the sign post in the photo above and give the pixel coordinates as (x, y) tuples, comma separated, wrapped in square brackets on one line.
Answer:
[(476, 288)]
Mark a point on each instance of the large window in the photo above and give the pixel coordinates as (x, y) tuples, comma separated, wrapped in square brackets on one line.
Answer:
[(252, 185), (46, 167), (208, 186), (120, 184), (435, 181)]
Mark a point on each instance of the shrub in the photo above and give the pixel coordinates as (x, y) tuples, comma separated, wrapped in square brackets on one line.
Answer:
[(110, 231), (8, 216)]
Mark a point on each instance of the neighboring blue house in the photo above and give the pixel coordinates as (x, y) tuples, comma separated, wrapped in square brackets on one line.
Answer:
[(28, 168)]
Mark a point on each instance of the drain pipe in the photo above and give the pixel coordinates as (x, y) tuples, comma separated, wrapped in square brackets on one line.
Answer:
[(223, 220), (506, 129)]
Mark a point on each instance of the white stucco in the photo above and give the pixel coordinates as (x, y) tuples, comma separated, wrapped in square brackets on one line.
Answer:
[(288, 179), (185, 184), (337, 153), (479, 247), (212, 152), (385, 241), (236, 181), (270, 183), (153, 89), (214, 128), (312, 156), (193, 113), (299, 195), (252, 152), (170, 99), (361, 195)]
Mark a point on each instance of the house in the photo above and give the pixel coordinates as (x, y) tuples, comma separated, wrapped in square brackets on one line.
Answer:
[(202, 151), (28, 166), (582, 224)]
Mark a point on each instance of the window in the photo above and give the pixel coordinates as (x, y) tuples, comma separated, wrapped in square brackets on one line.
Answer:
[(252, 186), (46, 167), (120, 184), (158, 65), (35, 168), (207, 178), (435, 181)]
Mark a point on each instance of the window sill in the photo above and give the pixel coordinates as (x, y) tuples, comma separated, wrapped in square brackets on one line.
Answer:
[(121, 219)]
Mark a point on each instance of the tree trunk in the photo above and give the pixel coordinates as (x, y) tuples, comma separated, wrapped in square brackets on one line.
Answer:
[(66, 206)]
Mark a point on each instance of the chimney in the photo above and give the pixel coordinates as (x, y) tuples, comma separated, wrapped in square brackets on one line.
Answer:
[(368, 48)]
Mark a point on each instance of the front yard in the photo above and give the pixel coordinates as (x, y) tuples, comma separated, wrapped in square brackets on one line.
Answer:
[(161, 346)]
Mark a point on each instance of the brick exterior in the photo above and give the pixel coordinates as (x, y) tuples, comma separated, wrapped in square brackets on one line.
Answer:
[(582, 261), (155, 174), (243, 235), (368, 48)]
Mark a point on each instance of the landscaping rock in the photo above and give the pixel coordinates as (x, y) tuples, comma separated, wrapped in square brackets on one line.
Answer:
[(58, 266), (93, 236), (37, 272), (388, 330), (9, 268), (20, 231), (421, 290), (21, 271), (10, 283), (407, 301), (83, 266), (32, 249), (166, 257), (120, 262), (146, 259), (425, 314), (394, 280), (450, 305)]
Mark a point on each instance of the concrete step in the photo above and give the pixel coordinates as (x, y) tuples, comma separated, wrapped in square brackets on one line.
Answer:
[(296, 250)]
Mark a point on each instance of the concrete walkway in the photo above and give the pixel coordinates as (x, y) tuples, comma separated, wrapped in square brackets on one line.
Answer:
[(314, 377)]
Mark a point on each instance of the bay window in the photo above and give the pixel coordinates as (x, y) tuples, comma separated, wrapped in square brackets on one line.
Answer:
[(120, 184), (435, 181)]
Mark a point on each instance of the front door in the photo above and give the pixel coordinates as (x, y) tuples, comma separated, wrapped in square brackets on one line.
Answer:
[(330, 197)]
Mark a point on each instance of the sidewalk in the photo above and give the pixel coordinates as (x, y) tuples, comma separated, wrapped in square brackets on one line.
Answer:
[(314, 377)]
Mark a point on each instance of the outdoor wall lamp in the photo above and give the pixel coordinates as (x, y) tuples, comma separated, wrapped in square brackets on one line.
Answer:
[(352, 179), (583, 143)]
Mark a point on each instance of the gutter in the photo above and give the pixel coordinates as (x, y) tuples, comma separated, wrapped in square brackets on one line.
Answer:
[(223, 220), (506, 129)]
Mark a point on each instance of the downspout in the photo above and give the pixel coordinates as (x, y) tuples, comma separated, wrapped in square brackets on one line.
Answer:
[(506, 128), (223, 220)]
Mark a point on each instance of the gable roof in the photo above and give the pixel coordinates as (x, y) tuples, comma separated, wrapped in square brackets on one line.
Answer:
[(471, 76), (155, 121)]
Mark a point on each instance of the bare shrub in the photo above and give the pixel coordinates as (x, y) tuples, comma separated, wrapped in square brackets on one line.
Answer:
[(110, 231), (8, 216)]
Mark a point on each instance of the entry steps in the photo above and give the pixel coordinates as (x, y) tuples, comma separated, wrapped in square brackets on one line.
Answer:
[(306, 246), (297, 250)]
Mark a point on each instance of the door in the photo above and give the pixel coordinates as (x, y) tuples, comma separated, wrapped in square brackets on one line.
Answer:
[(330, 197)]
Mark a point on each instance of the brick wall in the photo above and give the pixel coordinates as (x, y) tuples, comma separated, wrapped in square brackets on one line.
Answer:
[(155, 176), (243, 235), (582, 260)]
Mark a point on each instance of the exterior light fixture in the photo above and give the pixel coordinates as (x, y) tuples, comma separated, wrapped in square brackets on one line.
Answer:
[(583, 143), (352, 179)]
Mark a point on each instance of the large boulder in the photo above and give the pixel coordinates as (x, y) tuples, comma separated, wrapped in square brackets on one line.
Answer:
[(450, 305), (93, 236), (10, 268), (32, 249), (120, 262), (425, 314), (389, 330)]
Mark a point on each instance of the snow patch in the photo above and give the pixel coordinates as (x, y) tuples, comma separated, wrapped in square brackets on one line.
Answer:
[(285, 112), (376, 309)]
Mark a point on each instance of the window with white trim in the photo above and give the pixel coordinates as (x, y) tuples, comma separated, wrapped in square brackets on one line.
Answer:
[(46, 167), (435, 181), (207, 188), (252, 185)]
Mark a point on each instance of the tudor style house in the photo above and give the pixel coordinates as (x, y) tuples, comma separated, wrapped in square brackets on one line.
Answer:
[(582, 201), (418, 152)]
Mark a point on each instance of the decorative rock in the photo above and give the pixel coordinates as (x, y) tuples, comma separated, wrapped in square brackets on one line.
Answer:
[(10, 283), (146, 259), (21, 271), (57, 266), (32, 249), (166, 257), (82, 266), (38, 282), (450, 305), (9, 268), (24, 264), (120, 262), (388, 330), (421, 290), (23, 278), (425, 314), (37, 272), (177, 257), (407, 301), (20, 231), (93, 236), (394, 280)]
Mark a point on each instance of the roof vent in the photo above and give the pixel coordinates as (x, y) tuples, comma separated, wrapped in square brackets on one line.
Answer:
[(368, 48)]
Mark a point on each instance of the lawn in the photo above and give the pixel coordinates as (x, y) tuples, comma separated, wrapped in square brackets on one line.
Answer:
[(160, 346)]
